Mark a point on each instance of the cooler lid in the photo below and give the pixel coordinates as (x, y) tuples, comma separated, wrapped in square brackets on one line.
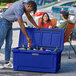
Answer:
[(47, 38)]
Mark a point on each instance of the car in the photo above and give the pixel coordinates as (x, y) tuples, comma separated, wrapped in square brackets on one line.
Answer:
[(41, 9), (47, 6), (72, 12)]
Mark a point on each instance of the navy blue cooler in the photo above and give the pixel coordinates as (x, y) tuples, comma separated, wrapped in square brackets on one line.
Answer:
[(37, 60)]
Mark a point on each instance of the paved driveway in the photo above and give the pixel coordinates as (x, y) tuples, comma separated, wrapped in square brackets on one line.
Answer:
[(68, 66)]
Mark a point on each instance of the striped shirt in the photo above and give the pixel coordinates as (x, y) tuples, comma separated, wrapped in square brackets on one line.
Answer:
[(14, 12)]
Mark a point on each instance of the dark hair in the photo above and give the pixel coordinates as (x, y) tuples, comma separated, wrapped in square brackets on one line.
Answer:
[(65, 14), (43, 16), (33, 5)]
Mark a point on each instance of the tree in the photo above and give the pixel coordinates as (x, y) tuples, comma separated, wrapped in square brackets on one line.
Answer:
[(8, 1)]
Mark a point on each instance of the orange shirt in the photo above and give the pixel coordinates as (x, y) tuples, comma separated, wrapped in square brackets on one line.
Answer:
[(45, 25)]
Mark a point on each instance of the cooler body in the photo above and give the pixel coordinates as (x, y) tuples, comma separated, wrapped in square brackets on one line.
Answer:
[(37, 60)]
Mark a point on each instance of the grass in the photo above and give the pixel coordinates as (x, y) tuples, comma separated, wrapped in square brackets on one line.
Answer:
[(3, 4)]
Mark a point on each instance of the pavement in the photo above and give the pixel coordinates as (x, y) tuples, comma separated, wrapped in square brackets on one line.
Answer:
[(68, 66)]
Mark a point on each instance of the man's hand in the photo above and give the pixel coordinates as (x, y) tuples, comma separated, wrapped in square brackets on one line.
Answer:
[(29, 40), (38, 27)]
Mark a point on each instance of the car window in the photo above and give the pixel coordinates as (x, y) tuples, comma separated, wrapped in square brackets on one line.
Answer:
[(48, 1), (43, 2), (39, 2), (67, 4)]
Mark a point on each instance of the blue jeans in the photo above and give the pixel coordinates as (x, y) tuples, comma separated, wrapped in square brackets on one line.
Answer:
[(6, 34)]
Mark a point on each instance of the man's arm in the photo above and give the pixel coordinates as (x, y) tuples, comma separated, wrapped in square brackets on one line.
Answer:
[(20, 21), (31, 20)]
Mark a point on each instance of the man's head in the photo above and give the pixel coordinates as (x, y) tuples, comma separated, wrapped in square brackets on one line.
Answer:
[(64, 14), (30, 6)]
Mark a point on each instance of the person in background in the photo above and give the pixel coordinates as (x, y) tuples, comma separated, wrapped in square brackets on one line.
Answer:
[(65, 16), (12, 14), (45, 22)]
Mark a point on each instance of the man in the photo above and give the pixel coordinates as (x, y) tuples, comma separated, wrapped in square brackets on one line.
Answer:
[(64, 15), (14, 13)]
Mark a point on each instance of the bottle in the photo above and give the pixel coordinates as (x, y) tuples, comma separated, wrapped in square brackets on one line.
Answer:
[(37, 48), (23, 47), (34, 49), (29, 46), (41, 48), (47, 50), (56, 49)]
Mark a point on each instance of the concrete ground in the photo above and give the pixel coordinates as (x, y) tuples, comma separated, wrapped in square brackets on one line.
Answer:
[(68, 66)]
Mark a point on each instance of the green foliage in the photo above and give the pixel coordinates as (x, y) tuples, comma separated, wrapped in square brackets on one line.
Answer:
[(74, 3), (3, 4), (8, 1)]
